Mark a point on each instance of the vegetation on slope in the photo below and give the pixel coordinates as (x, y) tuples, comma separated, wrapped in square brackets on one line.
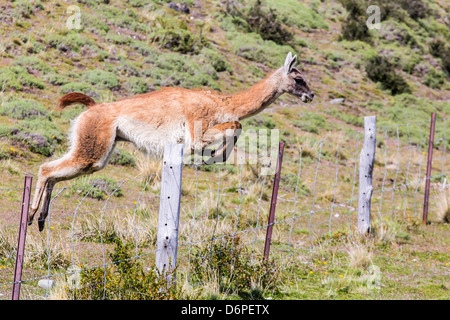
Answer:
[(399, 72)]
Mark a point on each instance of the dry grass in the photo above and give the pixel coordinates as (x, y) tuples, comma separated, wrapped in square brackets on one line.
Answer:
[(443, 204), (149, 168), (138, 228), (359, 256)]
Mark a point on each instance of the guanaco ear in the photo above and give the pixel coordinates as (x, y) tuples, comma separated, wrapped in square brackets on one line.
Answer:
[(289, 63)]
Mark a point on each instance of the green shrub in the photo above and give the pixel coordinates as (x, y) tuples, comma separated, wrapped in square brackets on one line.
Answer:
[(290, 183), (39, 135), (82, 87), (122, 158), (379, 69), (23, 9), (138, 3), (17, 77), (438, 48), (263, 121), (434, 79), (103, 188), (252, 47), (56, 79), (311, 122), (119, 39), (216, 60), (174, 34), (136, 85), (297, 14), (5, 130), (125, 280), (32, 62), (231, 266), (71, 41), (260, 19), (36, 130), (102, 79), (417, 9), (174, 69), (143, 48), (23, 109), (399, 33), (354, 27)]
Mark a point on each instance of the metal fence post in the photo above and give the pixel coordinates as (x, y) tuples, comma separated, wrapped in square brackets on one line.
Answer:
[(429, 164), (273, 202), (169, 208), (366, 162), (21, 237)]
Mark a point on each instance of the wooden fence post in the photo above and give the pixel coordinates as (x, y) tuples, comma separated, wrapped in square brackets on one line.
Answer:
[(366, 162), (21, 238), (273, 202), (429, 164), (169, 208)]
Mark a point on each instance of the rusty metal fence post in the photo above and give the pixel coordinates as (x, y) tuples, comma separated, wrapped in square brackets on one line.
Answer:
[(21, 237), (273, 202), (429, 164)]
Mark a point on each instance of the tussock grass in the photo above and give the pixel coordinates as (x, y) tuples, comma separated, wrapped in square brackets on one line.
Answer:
[(442, 204)]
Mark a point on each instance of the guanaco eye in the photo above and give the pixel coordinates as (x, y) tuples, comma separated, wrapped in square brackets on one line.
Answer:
[(300, 81)]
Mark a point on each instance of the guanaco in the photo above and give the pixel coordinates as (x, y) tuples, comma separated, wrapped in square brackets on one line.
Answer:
[(151, 120)]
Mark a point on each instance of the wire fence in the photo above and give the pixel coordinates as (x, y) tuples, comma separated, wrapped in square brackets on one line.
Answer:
[(316, 203)]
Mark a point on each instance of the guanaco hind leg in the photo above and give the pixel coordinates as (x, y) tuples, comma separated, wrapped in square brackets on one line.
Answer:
[(91, 150)]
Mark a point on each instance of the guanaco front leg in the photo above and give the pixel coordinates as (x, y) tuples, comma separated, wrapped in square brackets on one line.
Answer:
[(219, 141)]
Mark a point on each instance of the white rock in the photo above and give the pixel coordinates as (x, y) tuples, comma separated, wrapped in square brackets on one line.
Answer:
[(339, 100), (46, 283)]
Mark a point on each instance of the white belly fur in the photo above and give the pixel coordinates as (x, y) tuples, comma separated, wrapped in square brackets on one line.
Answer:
[(151, 139)]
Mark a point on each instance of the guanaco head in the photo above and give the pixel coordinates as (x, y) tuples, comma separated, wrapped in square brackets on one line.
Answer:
[(294, 82)]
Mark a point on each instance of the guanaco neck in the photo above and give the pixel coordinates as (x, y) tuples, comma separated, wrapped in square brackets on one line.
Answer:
[(252, 101)]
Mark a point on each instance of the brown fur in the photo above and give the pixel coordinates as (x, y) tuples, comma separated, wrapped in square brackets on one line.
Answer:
[(75, 97), (98, 128)]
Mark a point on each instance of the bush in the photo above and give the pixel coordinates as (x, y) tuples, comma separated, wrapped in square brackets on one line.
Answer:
[(82, 87), (136, 85), (24, 109), (33, 63), (417, 9), (216, 60), (71, 41), (39, 135), (17, 77), (379, 69), (252, 47), (122, 158), (174, 69), (125, 280), (297, 14), (262, 20), (103, 188), (174, 35), (311, 122), (434, 79), (102, 79), (229, 263), (354, 27), (264, 121), (438, 48), (36, 130)]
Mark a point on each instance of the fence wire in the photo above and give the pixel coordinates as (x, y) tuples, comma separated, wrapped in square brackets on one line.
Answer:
[(316, 204)]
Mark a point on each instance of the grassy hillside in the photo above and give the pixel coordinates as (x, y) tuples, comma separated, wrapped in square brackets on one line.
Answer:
[(132, 47), (401, 73)]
